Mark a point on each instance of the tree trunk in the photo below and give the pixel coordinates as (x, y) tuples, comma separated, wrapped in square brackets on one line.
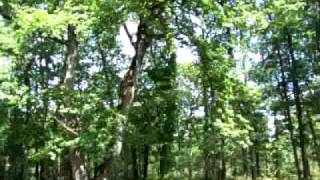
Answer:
[(285, 99), (206, 123), (18, 169), (49, 170), (71, 59), (145, 161), (314, 138), (77, 164), (257, 162), (277, 158), (252, 163), (135, 163), (299, 111), (127, 93), (222, 165), (190, 167), (244, 162), (3, 163), (164, 160)]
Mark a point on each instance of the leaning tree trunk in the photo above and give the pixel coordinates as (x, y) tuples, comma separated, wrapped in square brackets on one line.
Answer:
[(142, 41), (127, 93), (128, 86)]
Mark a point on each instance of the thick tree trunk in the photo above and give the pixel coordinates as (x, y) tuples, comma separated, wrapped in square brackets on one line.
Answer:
[(77, 165), (71, 59)]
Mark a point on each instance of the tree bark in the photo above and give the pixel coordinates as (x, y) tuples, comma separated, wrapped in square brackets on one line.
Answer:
[(78, 165), (72, 58)]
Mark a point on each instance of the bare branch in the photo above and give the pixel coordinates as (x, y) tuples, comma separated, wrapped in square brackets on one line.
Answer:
[(129, 35)]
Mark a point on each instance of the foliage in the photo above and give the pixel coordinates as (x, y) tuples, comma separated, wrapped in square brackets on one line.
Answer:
[(246, 106)]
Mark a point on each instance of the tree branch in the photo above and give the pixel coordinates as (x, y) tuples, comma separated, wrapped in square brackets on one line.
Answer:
[(128, 34), (61, 41), (67, 129)]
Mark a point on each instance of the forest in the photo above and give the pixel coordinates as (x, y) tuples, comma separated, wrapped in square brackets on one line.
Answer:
[(159, 89)]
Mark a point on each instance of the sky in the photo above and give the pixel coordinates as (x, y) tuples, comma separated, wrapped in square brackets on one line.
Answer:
[(184, 54)]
